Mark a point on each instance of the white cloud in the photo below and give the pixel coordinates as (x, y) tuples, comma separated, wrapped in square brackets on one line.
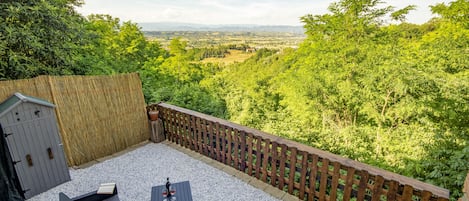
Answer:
[(230, 11)]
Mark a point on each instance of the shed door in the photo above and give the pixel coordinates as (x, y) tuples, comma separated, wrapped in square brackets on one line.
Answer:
[(36, 152)]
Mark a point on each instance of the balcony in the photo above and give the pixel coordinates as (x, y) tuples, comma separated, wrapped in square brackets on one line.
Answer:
[(302, 171)]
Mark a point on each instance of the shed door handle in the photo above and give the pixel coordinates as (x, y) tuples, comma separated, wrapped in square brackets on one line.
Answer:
[(30, 160), (49, 152)]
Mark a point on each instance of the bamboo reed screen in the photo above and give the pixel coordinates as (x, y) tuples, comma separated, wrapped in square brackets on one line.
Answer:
[(97, 115)]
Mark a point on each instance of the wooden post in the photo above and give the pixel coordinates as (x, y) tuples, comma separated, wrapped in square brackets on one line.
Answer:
[(465, 190)]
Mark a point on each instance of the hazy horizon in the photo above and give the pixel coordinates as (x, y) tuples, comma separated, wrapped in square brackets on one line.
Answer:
[(239, 12)]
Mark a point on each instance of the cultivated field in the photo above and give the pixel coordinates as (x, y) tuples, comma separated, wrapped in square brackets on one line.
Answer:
[(205, 39)]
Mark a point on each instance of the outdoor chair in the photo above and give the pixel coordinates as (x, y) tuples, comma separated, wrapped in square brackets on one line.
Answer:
[(106, 192)]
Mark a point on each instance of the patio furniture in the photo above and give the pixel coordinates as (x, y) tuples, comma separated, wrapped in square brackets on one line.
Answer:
[(106, 192), (183, 192)]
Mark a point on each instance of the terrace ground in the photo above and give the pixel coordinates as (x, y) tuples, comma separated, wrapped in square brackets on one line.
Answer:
[(136, 170)]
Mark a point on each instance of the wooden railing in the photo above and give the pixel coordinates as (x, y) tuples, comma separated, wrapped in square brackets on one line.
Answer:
[(300, 170)]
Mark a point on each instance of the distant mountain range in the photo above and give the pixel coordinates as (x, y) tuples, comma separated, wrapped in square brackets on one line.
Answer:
[(175, 26)]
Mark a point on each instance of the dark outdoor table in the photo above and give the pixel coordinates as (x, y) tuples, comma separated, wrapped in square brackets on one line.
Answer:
[(183, 192)]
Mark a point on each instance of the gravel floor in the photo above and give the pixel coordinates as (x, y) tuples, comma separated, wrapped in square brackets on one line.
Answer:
[(137, 171)]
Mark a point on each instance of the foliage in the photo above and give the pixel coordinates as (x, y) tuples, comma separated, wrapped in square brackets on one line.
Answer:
[(393, 96), (39, 37)]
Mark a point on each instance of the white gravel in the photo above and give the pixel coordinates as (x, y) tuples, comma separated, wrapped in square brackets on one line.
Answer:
[(137, 171)]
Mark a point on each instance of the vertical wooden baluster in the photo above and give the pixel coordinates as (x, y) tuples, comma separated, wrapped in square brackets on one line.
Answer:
[(426, 195), (408, 192), (304, 170), (223, 142), (283, 159), (323, 182), (335, 181), (182, 128), (194, 133), (250, 144), (313, 166), (236, 148), (211, 152), (292, 173), (170, 126), (243, 151), (228, 151), (377, 188), (258, 156), (349, 183), (217, 133), (188, 131), (265, 160), (199, 136), (203, 137), (273, 172), (173, 126), (392, 191), (178, 128), (364, 177)]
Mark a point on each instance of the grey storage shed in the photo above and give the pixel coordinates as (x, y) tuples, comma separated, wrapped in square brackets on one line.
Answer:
[(30, 130)]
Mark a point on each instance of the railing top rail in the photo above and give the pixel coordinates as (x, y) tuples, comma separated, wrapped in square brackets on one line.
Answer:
[(416, 184)]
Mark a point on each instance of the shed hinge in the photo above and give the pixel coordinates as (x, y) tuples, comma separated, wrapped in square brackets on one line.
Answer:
[(8, 134), (15, 162)]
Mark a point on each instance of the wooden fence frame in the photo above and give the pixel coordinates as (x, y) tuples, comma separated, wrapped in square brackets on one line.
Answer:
[(318, 175)]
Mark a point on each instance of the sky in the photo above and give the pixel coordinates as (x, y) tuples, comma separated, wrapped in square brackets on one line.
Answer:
[(261, 12)]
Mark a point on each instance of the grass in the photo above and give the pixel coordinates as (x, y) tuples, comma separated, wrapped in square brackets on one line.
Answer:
[(233, 57)]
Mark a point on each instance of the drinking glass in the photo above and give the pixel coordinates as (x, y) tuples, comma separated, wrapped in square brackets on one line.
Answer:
[(172, 190), (164, 192)]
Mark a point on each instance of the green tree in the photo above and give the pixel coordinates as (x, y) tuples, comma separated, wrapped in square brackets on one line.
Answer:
[(39, 37)]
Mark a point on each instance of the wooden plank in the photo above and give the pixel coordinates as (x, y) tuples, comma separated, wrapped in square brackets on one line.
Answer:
[(442, 199), (228, 151), (236, 149), (407, 193), (283, 160), (173, 127), (377, 188), (364, 177), (250, 143), (291, 178), (180, 130), (176, 127), (426, 196), (199, 136), (243, 151), (323, 182), (392, 191), (349, 183), (203, 126), (273, 172), (210, 141), (265, 160), (313, 166), (223, 142), (304, 170), (217, 145), (335, 181), (258, 156), (187, 130), (169, 125), (193, 133)]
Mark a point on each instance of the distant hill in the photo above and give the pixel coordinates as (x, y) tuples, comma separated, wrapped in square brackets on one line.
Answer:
[(174, 26)]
